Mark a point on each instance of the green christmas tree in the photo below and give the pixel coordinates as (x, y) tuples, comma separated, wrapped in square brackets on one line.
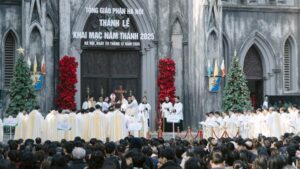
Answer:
[(236, 94), (21, 90)]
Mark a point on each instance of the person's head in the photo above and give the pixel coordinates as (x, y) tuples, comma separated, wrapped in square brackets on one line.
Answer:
[(78, 153), (106, 99), (37, 107), (100, 99), (27, 160), (38, 140), (240, 164), (109, 164), (260, 162), (147, 150), (129, 98), (276, 162), (177, 99), (96, 161), (217, 159), (167, 99), (166, 155), (110, 148), (13, 155), (194, 163), (145, 99), (98, 107), (91, 98), (58, 161), (266, 98)]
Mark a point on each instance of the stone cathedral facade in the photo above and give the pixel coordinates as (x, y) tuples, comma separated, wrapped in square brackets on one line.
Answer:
[(264, 33)]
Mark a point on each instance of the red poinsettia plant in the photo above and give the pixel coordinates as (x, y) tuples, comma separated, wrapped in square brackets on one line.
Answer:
[(67, 80), (166, 83)]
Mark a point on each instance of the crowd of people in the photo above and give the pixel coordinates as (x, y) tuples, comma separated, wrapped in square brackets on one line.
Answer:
[(249, 124), (156, 153)]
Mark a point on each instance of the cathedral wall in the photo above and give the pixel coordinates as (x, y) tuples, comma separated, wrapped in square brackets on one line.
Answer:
[(269, 28)]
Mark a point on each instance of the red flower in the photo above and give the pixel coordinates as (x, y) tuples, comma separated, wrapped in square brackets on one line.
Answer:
[(67, 80), (165, 82)]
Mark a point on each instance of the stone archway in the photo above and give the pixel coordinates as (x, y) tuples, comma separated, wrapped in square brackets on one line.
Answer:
[(268, 60), (254, 74), (148, 50)]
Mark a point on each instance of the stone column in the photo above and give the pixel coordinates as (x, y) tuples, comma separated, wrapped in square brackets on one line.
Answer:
[(64, 27), (196, 72)]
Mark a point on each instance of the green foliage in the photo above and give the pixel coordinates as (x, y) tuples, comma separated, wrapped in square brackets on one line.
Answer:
[(236, 94), (21, 90)]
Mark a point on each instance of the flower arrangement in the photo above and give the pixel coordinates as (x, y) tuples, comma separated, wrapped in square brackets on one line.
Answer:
[(67, 80)]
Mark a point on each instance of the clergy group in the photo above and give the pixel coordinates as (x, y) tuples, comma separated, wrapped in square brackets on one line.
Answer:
[(101, 120), (269, 122)]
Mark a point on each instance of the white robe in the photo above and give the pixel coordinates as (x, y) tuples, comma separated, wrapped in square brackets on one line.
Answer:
[(145, 109), (285, 123), (117, 126), (99, 125), (105, 106), (274, 123), (178, 107), (232, 126), (85, 105), (79, 125), (72, 119), (19, 130), (63, 134), (166, 109), (35, 125), (124, 105), (51, 122), (132, 108)]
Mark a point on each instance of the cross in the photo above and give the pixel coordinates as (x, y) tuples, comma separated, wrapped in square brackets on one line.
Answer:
[(120, 91)]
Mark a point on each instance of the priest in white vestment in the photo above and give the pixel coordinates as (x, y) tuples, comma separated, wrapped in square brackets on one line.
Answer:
[(63, 120), (100, 102), (145, 109), (178, 110), (35, 124), (87, 118), (105, 105), (99, 124), (132, 106), (232, 124), (51, 123), (285, 121), (79, 124), (166, 110), (19, 130), (117, 124), (72, 120), (274, 123), (124, 104), (265, 129)]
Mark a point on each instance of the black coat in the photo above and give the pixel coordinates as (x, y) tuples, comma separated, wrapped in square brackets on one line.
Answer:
[(77, 164)]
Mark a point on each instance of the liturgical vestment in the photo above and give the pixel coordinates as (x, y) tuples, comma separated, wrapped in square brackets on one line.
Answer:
[(117, 125), (35, 125), (99, 125)]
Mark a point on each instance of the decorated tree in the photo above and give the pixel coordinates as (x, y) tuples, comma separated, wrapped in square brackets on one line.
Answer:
[(67, 80), (165, 82), (21, 90), (236, 94)]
